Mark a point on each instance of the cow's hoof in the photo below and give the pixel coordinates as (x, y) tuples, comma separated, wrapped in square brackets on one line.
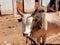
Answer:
[(42, 43)]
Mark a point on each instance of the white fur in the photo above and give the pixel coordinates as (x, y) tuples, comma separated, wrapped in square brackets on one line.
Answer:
[(27, 30), (27, 22), (25, 18), (53, 18)]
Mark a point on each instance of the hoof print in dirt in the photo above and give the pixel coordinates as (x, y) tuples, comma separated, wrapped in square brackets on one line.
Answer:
[(9, 26), (6, 18)]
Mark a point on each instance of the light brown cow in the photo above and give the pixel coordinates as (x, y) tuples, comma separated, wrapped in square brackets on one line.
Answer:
[(34, 26)]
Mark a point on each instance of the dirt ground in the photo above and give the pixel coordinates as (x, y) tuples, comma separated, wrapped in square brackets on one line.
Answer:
[(11, 32)]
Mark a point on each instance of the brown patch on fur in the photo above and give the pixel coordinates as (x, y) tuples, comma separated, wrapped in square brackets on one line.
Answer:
[(38, 33), (41, 33), (37, 23)]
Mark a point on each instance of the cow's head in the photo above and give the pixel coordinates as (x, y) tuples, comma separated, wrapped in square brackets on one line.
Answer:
[(30, 22), (27, 20)]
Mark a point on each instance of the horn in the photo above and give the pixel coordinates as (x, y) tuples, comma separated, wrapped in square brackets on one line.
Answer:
[(20, 12), (34, 12)]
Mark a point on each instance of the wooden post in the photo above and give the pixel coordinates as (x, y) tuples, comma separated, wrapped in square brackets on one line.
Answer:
[(14, 8), (57, 4), (29, 5), (0, 9), (40, 3)]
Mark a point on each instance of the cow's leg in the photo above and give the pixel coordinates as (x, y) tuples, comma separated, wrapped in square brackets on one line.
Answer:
[(26, 41), (33, 42), (38, 40), (30, 40), (44, 40)]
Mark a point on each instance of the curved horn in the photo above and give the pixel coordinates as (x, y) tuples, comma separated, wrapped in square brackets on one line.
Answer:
[(20, 12), (34, 12)]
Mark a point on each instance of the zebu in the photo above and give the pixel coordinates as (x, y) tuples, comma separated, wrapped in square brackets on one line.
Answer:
[(33, 25)]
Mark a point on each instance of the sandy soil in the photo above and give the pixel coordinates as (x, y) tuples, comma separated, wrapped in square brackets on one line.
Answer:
[(11, 31)]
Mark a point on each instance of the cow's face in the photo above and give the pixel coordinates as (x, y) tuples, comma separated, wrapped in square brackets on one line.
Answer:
[(27, 21)]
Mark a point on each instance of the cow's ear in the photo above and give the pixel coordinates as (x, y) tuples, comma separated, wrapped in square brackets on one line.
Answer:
[(34, 12), (19, 20)]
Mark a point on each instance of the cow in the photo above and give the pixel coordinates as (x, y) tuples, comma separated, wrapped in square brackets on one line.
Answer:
[(33, 24)]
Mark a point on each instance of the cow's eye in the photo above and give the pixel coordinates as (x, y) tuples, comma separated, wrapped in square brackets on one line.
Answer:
[(35, 19)]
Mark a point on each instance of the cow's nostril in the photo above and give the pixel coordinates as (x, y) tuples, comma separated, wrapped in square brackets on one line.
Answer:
[(25, 34)]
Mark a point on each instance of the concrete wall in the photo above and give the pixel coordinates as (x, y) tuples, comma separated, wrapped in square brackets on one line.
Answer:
[(29, 6), (45, 3), (6, 6), (20, 1)]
